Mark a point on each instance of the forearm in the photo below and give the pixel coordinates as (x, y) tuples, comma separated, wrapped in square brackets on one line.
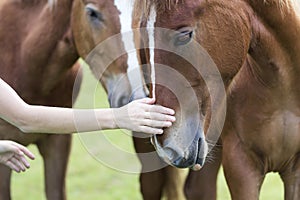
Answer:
[(42, 119)]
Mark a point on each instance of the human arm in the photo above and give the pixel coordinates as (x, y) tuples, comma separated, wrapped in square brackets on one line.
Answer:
[(139, 115)]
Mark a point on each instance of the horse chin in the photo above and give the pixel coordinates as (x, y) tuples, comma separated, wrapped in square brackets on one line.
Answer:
[(192, 157)]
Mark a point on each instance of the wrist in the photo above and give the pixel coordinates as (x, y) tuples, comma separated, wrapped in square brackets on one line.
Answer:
[(114, 120), (107, 118)]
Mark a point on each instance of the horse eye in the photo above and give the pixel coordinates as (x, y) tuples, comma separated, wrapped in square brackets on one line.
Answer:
[(183, 38), (93, 14)]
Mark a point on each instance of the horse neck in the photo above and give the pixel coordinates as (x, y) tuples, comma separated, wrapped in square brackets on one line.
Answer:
[(273, 57), (46, 47), (281, 19)]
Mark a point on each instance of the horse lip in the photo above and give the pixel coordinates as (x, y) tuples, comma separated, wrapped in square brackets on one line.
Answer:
[(183, 163), (196, 167), (152, 141), (199, 159)]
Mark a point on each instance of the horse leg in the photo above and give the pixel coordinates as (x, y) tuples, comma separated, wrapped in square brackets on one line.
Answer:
[(5, 175), (203, 184), (155, 180), (174, 183), (243, 170), (152, 184), (55, 150), (151, 180), (291, 179), (166, 181)]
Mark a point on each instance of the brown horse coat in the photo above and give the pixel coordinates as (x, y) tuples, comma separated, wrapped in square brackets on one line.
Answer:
[(37, 55), (255, 45), (31, 62)]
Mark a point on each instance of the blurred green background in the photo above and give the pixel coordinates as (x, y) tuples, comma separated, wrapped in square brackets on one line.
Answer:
[(88, 179)]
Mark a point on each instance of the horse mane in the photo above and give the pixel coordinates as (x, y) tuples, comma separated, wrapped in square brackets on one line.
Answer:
[(283, 3), (162, 5)]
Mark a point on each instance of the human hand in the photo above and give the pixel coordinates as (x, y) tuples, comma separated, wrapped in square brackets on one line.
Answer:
[(142, 116), (13, 155)]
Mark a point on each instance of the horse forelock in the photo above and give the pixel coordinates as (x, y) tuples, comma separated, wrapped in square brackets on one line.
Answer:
[(52, 3), (160, 5)]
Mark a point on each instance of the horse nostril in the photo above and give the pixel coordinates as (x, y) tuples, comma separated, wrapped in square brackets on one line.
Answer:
[(132, 97), (117, 102), (123, 100)]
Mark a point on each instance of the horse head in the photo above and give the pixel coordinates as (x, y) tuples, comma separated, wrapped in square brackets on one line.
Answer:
[(193, 63), (96, 29)]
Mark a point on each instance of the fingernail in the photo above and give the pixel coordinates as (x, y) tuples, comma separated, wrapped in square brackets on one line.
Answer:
[(160, 132), (151, 100), (173, 119), (169, 124)]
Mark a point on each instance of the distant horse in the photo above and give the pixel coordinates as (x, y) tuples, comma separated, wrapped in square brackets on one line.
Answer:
[(255, 45), (37, 54)]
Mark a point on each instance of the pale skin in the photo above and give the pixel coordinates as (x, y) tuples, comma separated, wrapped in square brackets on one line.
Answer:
[(139, 115)]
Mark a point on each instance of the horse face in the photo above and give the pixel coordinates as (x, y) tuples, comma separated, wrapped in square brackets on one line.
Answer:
[(177, 85), (193, 96), (93, 26)]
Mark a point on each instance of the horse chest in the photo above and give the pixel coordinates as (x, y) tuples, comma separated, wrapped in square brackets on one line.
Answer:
[(275, 139)]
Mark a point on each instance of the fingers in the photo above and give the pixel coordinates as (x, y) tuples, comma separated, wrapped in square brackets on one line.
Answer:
[(23, 150), (145, 117), (154, 108), (22, 160), (159, 109), (145, 100), (163, 110), (159, 117), (12, 166), (151, 126), (18, 163), (150, 130), (156, 124)]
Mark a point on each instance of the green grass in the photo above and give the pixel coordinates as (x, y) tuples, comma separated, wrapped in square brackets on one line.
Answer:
[(89, 179)]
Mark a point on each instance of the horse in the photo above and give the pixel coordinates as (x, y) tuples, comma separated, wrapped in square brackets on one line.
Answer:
[(39, 49), (156, 177), (255, 46)]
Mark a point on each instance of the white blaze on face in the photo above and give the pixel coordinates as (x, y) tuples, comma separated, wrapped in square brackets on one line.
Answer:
[(51, 4), (150, 28), (133, 71)]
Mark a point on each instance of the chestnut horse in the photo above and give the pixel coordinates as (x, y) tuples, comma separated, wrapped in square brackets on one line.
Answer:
[(165, 180), (38, 55), (255, 45), (156, 177)]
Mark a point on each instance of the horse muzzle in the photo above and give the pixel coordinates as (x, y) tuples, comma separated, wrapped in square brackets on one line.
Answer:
[(192, 156), (119, 91)]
